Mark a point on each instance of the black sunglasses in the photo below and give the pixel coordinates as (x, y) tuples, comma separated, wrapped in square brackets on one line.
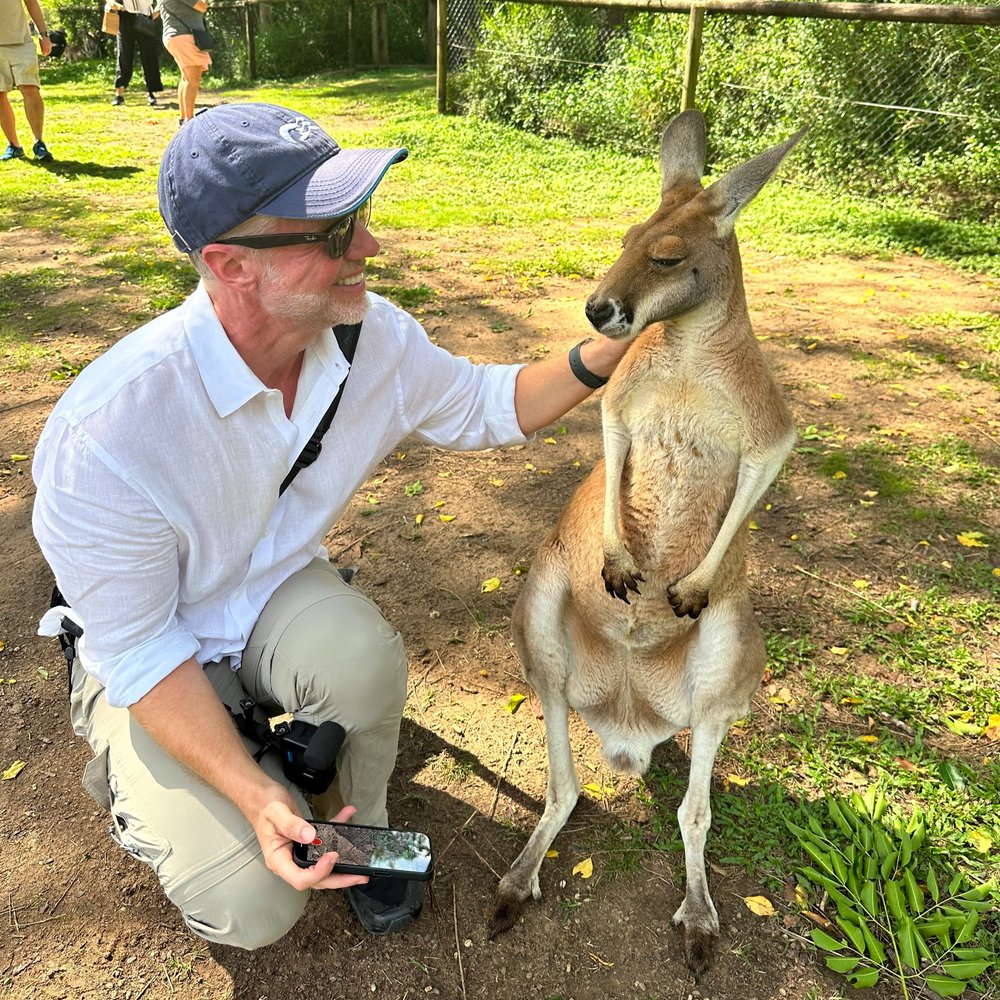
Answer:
[(337, 238)]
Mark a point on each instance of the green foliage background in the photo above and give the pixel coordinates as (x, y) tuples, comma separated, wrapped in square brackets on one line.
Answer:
[(855, 84)]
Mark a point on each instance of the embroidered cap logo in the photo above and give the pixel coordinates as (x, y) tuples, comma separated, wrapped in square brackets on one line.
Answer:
[(297, 131)]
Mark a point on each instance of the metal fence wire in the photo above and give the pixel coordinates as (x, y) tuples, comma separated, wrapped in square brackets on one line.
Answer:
[(909, 107)]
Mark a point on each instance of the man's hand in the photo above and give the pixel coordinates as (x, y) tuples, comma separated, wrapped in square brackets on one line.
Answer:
[(278, 826), (45, 44), (184, 715), (200, 6)]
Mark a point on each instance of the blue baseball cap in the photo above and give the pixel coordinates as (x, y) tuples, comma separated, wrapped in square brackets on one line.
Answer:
[(235, 161)]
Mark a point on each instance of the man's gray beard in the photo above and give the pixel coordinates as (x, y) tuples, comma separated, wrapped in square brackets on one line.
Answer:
[(310, 308)]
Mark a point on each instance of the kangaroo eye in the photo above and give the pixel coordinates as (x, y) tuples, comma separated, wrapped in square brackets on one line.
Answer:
[(666, 261)]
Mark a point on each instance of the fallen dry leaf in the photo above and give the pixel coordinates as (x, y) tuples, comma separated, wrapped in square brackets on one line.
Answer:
[(760, 905), (14, 770), (585, 868)]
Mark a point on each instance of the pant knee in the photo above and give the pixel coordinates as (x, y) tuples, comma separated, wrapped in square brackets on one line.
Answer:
[(359, 674), (249, 910)]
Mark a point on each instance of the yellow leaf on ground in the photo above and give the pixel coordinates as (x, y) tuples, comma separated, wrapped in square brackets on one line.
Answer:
[(760, 905), (419, 519), (440, 503), (868, 738), (491, 584), (551, 854), (19, 458), (550, 440), (14, 770), (529, 466), (840, 474), (585, 868), (801, 896), (447, 517), (514, 702), (600, 961), (980, 841), (443, 475), (971, 540), (735, 779), (852, 701), (496, 482), (839, 650), (861, 584)]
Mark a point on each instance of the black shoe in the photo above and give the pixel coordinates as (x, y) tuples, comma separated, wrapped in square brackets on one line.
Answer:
[(386, 905), (118, 100)]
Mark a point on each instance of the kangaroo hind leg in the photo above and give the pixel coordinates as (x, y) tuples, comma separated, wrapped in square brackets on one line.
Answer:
[(543, 644)]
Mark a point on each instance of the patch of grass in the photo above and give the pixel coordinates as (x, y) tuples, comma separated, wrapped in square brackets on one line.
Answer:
[(788, 652), (406, 296)]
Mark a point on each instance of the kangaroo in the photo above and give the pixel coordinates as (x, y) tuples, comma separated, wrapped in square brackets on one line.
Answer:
[(694, 431)]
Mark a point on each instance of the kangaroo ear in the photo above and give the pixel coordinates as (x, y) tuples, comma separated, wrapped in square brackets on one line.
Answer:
[(682, 152), (730, 194)]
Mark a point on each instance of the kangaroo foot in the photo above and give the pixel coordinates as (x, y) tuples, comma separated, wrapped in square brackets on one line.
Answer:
[(507, 908)]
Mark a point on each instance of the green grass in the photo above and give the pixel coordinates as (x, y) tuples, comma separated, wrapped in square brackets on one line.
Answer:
[(567, 204)]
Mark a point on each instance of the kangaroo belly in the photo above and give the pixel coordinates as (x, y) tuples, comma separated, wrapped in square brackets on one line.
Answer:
[(676, 491)]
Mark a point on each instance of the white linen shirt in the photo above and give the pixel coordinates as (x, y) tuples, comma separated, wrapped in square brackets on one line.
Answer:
[(158, 473)]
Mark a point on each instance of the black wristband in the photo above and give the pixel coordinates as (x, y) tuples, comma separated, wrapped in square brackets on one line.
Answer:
[(581, 371)]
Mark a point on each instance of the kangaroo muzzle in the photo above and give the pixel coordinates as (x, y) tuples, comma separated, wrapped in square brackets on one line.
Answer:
[(608, 316)]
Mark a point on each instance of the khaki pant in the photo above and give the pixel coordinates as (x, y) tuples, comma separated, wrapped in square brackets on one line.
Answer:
[(321, 650)]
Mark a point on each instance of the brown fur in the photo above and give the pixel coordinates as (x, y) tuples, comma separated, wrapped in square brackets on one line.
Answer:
[(694, 431)]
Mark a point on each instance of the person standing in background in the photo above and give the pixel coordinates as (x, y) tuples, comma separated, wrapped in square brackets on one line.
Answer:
[(129, 37), (180, 19), (19, 68)]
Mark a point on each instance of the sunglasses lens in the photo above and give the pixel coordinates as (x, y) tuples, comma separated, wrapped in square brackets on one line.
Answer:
[(341, 233)]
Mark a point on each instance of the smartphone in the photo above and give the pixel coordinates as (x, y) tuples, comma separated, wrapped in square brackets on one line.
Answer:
[(369, 850)]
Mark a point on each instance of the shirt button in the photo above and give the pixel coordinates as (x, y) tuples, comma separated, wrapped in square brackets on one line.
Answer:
[(236, 595)]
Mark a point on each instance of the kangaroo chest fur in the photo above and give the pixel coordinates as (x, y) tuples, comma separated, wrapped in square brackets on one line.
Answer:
[(639, 670)]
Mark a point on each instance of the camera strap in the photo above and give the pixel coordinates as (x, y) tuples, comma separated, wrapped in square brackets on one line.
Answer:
[(347, 337)]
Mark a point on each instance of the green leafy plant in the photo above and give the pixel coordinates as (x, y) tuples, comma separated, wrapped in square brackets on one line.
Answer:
[(897, 914)]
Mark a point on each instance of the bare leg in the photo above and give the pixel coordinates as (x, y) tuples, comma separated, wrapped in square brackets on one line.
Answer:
[(34, 109), (187, 90), (7, 123)]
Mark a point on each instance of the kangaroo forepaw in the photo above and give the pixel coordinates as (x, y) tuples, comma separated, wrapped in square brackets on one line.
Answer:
[(618, 582), (506, 910), (687, 601)]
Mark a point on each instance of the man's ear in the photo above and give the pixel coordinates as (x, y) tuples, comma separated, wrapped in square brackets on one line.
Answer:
[(234, 270)]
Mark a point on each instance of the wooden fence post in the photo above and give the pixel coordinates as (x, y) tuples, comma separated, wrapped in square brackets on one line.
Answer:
[(251, 36), (380, 35), (691, 57), (350, 34), (442, 57)]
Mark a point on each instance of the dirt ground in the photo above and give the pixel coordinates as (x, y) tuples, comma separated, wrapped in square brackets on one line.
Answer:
[(84, 920)]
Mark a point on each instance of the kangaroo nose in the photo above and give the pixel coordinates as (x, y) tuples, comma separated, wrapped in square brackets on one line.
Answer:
[(599, 312)]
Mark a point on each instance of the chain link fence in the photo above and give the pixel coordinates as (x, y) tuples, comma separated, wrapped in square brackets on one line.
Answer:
[(908, 108)]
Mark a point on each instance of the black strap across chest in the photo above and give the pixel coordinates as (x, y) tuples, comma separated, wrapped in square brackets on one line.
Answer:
[(347, 337)]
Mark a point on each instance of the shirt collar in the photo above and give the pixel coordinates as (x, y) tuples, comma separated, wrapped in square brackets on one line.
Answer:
[(228, 381)]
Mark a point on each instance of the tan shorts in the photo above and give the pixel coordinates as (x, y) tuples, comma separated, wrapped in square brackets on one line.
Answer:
[(19, 66), (320, 649), (186, 53)]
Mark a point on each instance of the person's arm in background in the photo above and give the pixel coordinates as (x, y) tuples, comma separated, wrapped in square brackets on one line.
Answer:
[(35, 13)]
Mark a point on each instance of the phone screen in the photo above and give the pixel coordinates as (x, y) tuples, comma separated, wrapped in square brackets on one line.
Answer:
[(365, 849)]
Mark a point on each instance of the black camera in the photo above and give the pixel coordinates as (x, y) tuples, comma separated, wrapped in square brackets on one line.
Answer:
[(308, 753)]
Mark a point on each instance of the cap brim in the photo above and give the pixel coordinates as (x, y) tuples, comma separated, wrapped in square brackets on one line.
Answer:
[(336, 187)]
